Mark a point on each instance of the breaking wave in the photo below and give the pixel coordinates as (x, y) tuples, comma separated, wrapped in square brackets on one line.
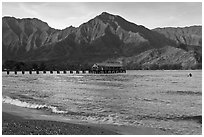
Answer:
[(88, 117), (20, 103)]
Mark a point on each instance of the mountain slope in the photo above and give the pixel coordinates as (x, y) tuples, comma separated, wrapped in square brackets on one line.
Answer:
[(187, 38), (188, 35), (23, 37), (101, 38), (105, 35), (158, 58)]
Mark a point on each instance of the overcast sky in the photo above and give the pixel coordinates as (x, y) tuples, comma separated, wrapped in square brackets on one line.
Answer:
[(60, 15)]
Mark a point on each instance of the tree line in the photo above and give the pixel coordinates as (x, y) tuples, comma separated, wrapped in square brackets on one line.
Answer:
[(162, 67), (26, 66)]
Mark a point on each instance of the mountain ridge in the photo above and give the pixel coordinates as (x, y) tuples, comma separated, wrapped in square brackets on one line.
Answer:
[(180, 34), (104, 37)]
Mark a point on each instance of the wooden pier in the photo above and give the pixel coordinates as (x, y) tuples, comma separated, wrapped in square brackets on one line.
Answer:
[(9, 72), (98, 68)]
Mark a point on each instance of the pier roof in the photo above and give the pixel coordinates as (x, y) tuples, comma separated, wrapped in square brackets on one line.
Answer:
[(109, 64)]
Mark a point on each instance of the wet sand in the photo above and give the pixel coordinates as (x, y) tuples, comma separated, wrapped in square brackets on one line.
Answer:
[(23, 121), (15, 125)]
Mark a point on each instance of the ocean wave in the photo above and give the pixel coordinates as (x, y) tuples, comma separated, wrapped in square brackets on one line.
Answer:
[(84, 116), (152, 100), (24, 104), (54, 109), (196, 118), (181, 92), (98, 118), (109, 119)]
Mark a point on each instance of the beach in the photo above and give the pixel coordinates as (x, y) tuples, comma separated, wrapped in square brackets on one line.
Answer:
[(22, 121), (19, 121)]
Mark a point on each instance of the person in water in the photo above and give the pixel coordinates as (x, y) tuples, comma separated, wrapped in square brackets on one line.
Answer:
[(189, 75)]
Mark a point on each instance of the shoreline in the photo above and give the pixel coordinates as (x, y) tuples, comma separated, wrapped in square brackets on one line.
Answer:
[(23, 121), (16, 125), (33, 121)]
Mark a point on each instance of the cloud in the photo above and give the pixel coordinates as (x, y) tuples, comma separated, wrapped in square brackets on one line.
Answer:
[(29, 10)]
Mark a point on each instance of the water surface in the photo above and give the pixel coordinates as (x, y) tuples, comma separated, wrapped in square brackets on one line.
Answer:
[(168, 100)]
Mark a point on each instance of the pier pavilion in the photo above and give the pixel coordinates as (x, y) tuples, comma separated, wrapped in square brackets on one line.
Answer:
[(108, 68)]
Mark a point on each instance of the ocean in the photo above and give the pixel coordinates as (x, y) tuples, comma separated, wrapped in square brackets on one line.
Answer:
[(166, 100)]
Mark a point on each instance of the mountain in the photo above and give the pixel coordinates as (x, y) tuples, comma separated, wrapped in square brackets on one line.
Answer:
[(104, 37), (28, 39), (188, 38), (188, 35), (163, 58)]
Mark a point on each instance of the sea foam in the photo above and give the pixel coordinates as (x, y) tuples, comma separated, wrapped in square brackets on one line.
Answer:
[(106, 119), (20, 103)]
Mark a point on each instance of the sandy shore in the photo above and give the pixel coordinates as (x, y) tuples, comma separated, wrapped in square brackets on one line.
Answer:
[(22, 121), (15, 125)]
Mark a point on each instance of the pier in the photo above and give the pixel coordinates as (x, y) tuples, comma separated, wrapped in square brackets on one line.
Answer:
[(106, 68), (9, 72), (98, 68)]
